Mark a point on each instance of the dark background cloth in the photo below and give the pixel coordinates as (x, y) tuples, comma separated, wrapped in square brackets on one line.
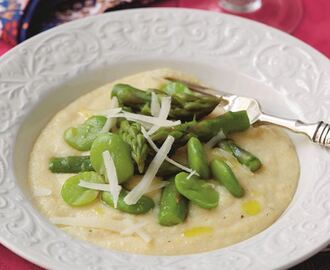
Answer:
[(22, 19)]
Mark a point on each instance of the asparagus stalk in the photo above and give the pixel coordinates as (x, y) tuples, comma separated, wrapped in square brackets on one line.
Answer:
[(132, 98), (131, 133), (173, 207), (77, 164), (244, 157), (71, 164), (204, 130), (186, 105)]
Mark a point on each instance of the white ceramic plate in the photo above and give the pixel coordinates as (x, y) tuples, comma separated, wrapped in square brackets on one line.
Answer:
[(42, 75)]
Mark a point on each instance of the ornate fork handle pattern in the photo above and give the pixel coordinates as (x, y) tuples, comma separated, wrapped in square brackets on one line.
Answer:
[(322, 134), (318, 132)]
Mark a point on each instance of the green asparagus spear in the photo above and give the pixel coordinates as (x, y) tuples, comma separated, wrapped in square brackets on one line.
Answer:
[(244, 157), (136, 99), (77, 164), (173, 206), (185, 105), (131, 134), (203, 130), (71, 164), (223, 173)]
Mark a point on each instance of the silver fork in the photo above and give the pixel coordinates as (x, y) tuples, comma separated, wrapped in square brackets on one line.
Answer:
[(318, 132)]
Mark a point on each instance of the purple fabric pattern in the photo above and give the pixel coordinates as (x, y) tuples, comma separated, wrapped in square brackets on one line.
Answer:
[(21, 19)]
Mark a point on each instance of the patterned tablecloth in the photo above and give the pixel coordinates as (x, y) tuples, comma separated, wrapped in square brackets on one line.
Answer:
[(314, 29)]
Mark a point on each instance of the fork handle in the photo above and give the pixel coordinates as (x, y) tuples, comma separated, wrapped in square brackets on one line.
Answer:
[(318, 132)]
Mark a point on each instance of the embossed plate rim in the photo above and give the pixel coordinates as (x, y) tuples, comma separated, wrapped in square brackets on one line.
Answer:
[(48, 239)]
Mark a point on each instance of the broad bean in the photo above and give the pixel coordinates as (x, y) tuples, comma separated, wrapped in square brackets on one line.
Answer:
[(120, 153), (143, 205), (82, 137), (197, 190), (75, 195)]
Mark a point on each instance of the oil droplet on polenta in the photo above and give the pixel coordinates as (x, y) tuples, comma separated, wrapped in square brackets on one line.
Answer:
[(85, 114), (251, 208), (196, 231), (99, 210)]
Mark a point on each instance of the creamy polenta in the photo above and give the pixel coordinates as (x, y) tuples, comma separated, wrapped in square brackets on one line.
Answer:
[(268, 191)]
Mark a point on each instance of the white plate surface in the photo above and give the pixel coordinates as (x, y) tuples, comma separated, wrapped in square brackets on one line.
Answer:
[(45, 73)]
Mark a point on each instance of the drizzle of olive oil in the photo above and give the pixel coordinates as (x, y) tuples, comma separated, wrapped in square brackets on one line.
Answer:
[(197, 231), (99, 210), (251, 208)]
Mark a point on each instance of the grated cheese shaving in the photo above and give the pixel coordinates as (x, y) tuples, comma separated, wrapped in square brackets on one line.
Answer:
[(95, 186), (231, 161), (165, 107), (90, 222), (146, 237), (108, 113), (85, 153), (148, 119), (41, 192), (156, 149), (111, 176), (111, 121), (157, 186), (224, 154), (125, 227), (154, 106), (163, 114), (153, 129), (136, 193), (214, 140), (134, 228), (191, 174)]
